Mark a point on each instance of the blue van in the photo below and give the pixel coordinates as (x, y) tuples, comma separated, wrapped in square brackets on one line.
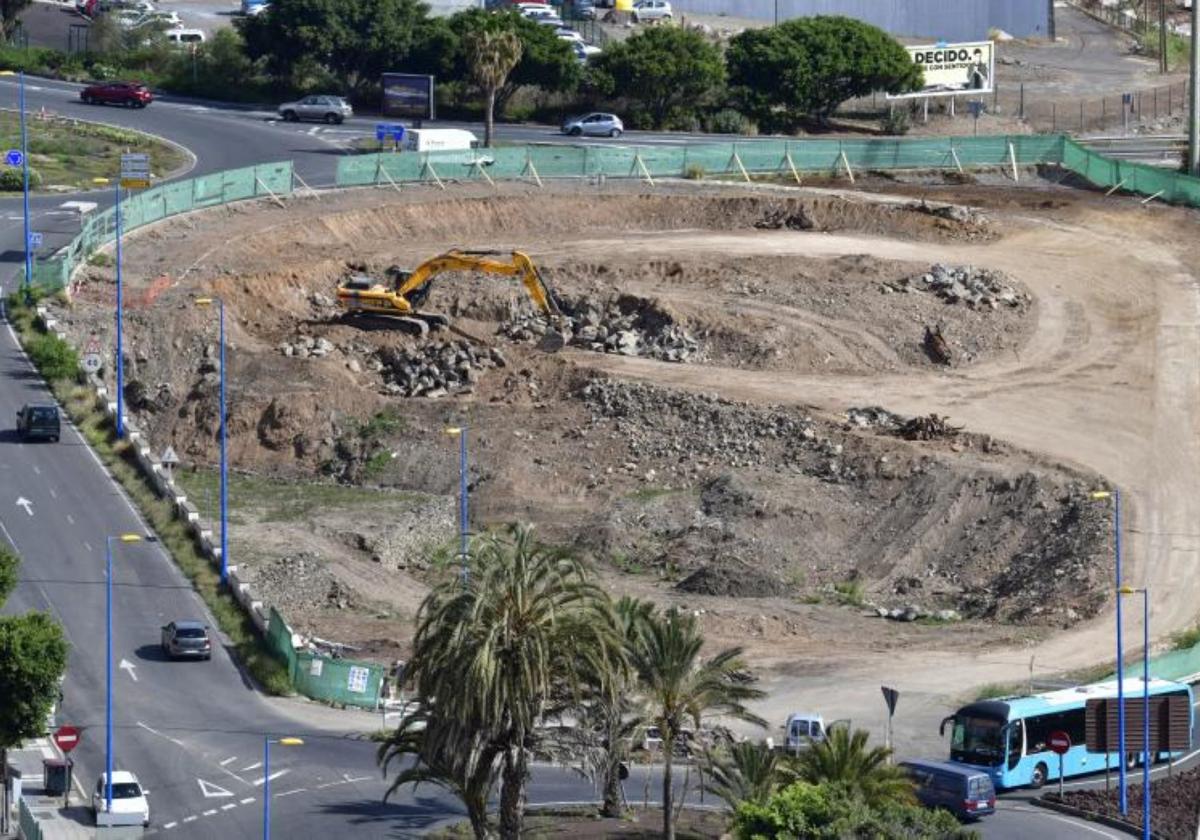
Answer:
[(965, 792)]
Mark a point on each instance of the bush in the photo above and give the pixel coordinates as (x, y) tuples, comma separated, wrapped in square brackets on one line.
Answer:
[(729, 121), (694, 172), (53, 357), (13, 179), (897, 122)]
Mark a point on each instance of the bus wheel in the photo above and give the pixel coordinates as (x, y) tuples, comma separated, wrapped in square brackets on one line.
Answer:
[(1039, 776)]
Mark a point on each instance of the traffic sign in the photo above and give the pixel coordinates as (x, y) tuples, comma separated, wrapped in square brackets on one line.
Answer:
[(35, 239), (92, 362), (1058, 741), (890, 696), (392, 130), (135, 171), (169, 458), (66, 738), (13, 157)]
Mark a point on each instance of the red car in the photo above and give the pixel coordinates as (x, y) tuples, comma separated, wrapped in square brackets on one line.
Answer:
[(134, 94)]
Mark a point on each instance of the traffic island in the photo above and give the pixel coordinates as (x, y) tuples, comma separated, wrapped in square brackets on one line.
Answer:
[(1174, 805)]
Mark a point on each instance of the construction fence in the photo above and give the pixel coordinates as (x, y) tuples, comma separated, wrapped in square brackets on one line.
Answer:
[(345, 682), (143, 208)]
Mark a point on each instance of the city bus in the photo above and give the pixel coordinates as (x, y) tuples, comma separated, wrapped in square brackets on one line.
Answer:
[(1007, 737)]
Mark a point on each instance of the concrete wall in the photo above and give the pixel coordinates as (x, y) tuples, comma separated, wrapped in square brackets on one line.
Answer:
[(960, 20)]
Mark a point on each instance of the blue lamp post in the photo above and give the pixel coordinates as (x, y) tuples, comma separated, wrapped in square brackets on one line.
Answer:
[(208, 301), (287, 742), (108, 710), (464, 531), (1121, 774), (25, 190)]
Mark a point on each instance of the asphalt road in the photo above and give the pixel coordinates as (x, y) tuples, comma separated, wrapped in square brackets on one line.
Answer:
[(193, 731)]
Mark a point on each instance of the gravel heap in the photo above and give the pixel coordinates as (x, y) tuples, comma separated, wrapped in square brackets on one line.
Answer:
[(974, 287), (299, 582), (307, 347), (626, 325), (434, 369)]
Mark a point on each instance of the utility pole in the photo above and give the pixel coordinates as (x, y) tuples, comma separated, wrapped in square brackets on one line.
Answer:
[(1194, 96), (1162, 36)]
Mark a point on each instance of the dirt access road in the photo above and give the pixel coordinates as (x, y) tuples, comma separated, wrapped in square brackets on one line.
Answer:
[(1109, 381)]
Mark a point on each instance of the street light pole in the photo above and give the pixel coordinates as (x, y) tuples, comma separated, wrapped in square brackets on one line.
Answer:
[(120, 323), (25, 191), (287, 742), (108, 710)]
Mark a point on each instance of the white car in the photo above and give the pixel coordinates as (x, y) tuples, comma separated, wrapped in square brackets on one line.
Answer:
[(543, 15), (584, 51), (129, 805), (128, 18), (170, 20), (651, 10), (566, 33)]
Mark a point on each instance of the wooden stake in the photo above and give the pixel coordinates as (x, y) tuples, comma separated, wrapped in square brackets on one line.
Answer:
[(1012, 157), (529, 167), (1151, 198), (478, 164), (1115, 187), (846, 163), (637, 161), (274, 197), (957, 162), (736, 159), (787, 155), (433, 172)]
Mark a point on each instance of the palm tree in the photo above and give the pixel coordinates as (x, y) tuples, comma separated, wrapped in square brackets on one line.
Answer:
[(447, 755), (491, 57), (747, 772), (844, 757), (495, 652), (679, 687)]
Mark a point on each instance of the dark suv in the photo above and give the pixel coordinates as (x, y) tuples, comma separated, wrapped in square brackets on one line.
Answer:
[(39, 422), (186, 639), (134, 94)]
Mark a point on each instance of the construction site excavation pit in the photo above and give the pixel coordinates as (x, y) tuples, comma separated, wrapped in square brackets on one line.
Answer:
[(839, 428)]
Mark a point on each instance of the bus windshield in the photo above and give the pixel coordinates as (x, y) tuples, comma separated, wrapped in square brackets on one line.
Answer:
[(976, 740)]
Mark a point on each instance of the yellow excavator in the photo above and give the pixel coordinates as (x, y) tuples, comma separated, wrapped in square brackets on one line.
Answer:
[(398, 303)]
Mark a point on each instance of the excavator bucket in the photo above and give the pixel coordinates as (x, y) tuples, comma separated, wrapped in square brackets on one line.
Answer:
[(552, 341)]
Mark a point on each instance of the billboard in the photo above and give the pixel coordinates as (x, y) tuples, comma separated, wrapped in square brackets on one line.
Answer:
[(952, 69), (407, 95)]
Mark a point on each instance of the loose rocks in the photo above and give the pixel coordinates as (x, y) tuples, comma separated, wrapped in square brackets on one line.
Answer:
[(434, 369), (974, 287)]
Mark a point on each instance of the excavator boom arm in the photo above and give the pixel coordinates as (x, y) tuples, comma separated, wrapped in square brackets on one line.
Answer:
[(520, 265)]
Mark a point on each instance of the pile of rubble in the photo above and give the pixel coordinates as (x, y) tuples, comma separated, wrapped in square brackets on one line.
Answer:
[(299, 582), (625, 325), (307, 347), (975, 287), (435, 369)]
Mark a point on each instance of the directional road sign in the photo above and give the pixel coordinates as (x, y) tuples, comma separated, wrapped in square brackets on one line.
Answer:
[(66, 738), (135, 171), (35, 239), (392, 130), (13, 157)]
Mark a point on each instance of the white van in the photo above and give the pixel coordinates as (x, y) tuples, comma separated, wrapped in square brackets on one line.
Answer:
[(439, 140), (802, 730), (184, 37)]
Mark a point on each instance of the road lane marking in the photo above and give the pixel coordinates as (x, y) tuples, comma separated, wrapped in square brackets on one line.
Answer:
[(212, 791), (226, 761), (289, 793), (192, 818), (1160, 769), (22, 502), (230, 805), (87, 546), (128, 667), (174, 741), (53, 495), (347, 777), (171, 825), (253, 766), (258, 782), (1055, 816), (71, 519), (247, 800), (209, 812), (37, 470)]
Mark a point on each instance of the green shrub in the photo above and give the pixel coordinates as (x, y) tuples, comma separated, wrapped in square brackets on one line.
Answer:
[(694, 172), (12, 179), (897, 122), (729, 121), (849, 593), (1186, 639), (53, 357)]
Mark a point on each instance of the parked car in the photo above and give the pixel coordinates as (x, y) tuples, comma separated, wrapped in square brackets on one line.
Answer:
[(134, 94), (36, 422), (801, 730), (542, 13), (330, 109), (645, 10), (566, 33), (556, 22), (963, 791), (185, 37), (186, 639), (584, 51), (129, 805), (596, 124), (585, 9), (128, 18), (166, 19)]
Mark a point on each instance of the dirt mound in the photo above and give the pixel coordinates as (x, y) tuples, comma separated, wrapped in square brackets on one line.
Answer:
[(732, 580)]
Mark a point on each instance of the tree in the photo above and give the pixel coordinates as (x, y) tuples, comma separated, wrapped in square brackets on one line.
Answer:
[(491, 57), (494, 651), (748, 772), (462, 761), (10, 16), (547, 62), (33, 656), (844, 757), (666, 69), (355, 40), (680, 688), (810, 66)]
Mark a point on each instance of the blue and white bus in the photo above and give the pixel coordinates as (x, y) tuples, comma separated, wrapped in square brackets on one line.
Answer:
[(1007, 737)]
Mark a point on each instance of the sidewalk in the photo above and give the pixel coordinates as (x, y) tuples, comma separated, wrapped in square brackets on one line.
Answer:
[(55, 822)]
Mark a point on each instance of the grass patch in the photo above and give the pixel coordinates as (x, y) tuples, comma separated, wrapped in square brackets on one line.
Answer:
[(119, 457), (1186, 639), (71, 153), (849, 593), (387, 422), (990, 691), (276, 500)]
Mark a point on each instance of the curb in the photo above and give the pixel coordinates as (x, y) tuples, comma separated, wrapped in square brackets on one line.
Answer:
[(1079, 813)]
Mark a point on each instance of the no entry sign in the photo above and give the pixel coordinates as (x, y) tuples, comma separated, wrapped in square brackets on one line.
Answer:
[(66, 738), (1058, 741)]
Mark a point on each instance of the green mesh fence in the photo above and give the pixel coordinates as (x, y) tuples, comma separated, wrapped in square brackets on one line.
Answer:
[(755, 156), (152, 205), (342, 681), (1164, 184)]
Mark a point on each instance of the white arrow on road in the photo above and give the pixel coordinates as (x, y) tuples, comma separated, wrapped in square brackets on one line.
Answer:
[(212, 791), (25, 503), (126, 665)]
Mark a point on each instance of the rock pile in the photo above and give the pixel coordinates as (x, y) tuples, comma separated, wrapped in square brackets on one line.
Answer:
[(434, 369), (974, 287), (625, 325), (307, 347), (299, 582)]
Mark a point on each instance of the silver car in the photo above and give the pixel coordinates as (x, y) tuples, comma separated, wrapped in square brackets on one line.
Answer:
[(594, 125), (330, 109)]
